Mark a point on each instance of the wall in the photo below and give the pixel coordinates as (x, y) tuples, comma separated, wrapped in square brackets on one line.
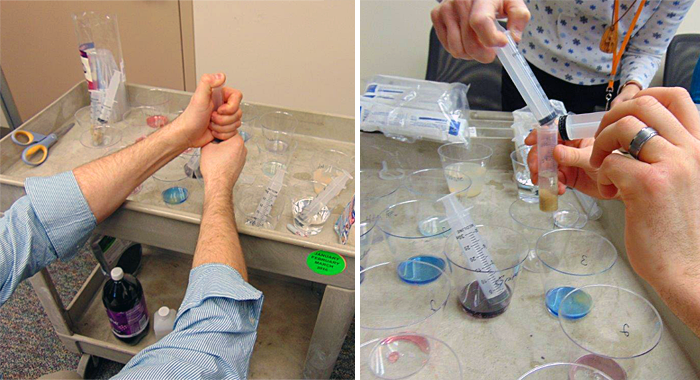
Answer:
[(40, 51), (395, 37), (296, 54)]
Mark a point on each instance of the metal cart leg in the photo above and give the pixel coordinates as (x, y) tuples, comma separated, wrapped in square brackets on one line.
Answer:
[(332, 324)]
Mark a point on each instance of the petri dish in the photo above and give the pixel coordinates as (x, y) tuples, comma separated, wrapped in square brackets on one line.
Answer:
[(529, 215), (410, 356), (390, 303), (564, 371), (172, 183), (620, 329)]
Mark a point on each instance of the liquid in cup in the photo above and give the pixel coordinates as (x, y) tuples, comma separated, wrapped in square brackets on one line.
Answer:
[(466, 160)]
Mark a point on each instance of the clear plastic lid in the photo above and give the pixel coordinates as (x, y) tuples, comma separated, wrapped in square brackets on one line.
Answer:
[(388, 302), (409, 356)]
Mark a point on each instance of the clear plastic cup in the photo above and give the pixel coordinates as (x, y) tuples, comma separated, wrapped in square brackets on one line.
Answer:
[(172, 183), (366, 242), (508, 250), (391, 302), (409, 356), (271, 161), (376, 194), (146, 116), (527, 191), (618, 332), (249, 114), (154, 98), (570, 259), (564, 371), (416, 230), (249, 197), (96, 136), (303, 193), (470, 160), (435, 183), (532, 222), (278, 131)]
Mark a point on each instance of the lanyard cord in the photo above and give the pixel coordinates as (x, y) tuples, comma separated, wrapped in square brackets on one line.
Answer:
[(618, 56)]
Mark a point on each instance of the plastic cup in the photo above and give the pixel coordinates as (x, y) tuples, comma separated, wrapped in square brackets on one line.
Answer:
[(508, 250), (249, 197), (618, 332), (271, 161), (532, 222), (416, 230), (570, 259), (389, 303), (366, 242), (95, 135), (155, 98), (470, 160), (564, 371), (376, 194), (435, 183), (409, 356), (278, 131), (527, 191), (146, 116), (172, 183), (249, 114), (304, 190)]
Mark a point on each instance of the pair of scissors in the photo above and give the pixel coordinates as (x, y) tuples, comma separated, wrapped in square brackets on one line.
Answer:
[(37, 145)]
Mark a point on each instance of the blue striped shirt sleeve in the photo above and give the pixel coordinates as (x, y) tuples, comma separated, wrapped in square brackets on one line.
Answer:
[(214, 332), (52, 221)]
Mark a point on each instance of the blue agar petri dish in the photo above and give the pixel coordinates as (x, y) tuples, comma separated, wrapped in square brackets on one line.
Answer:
[(411, 273), (175, 195), (577, 306)]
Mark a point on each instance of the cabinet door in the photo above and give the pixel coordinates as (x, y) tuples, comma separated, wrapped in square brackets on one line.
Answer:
[(40, 51)]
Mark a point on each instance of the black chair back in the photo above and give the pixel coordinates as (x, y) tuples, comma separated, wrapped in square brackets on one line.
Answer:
[(681, 56)]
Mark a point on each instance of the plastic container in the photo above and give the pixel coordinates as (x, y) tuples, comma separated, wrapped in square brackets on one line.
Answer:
[(433, 184), (470, 160), (618, 333), (164, 321), (249, 197), (125, 303), (564, 371), (278, 130), (376, 195), (570, 259), (507, 250)]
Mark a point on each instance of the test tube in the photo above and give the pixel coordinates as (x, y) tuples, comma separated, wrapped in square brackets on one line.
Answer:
[(535, 98)]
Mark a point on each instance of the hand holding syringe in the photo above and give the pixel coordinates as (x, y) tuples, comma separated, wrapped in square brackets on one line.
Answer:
[(535, 98)]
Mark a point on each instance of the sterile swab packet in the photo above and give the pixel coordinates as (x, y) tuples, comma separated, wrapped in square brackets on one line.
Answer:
[(478, 258)]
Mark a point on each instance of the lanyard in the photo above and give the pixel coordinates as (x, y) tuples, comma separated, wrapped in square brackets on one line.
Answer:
[(617, 56)]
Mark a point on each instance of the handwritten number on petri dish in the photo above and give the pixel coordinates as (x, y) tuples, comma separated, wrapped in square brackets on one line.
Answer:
[(583, 260), (624, 330)]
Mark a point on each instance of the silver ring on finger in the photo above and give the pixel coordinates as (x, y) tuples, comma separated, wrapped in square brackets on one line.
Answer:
[(640, 139)]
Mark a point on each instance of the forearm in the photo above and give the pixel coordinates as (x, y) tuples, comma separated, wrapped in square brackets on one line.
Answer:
[(107, 182), (218, 237), (682, 295)]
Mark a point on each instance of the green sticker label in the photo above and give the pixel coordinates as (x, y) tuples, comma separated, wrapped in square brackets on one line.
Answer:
[(326, 263)]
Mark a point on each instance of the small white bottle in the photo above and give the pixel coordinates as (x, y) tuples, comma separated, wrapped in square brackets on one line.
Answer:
[(163, 321)]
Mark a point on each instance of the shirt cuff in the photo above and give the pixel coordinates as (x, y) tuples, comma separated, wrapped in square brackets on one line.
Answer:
[(62, 210), (220, 281)]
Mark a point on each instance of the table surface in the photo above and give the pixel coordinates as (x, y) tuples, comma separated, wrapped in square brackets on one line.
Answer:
[(312, 151), (526, 335)]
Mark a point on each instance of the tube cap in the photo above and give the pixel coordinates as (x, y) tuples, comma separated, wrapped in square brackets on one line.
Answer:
[(163, 311), (117, 274)]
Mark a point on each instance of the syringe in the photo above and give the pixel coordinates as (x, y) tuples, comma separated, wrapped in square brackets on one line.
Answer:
[(331, 191), (535, 98), (477, 255), (268, 199), (582, 126)]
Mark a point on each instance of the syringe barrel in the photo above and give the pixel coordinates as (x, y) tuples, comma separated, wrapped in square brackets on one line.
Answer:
[(574, 127), (524, 79), (547, 167)]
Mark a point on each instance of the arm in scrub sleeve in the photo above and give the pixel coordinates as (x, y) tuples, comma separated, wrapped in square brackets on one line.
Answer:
[(661, 190), (58, 213), (216, 325)]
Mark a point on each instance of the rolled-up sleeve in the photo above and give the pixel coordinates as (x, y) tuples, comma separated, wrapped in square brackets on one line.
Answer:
[(52, 221), (214, 332)]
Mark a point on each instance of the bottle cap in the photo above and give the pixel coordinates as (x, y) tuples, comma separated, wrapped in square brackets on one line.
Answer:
[(117, 274), (164, 311)]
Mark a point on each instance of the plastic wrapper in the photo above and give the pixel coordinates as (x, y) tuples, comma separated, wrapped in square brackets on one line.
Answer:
[(410, 109), (101, 56)]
